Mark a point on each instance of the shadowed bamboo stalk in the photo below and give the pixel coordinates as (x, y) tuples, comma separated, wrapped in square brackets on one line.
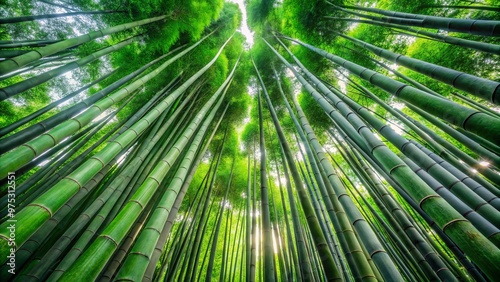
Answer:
[(105, 202), (104, 246), (213, 248), (266, 218), (148, 275)]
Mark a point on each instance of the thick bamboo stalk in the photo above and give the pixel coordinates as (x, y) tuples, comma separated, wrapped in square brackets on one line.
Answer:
[(491, 157), (148, 276), (484, 207)]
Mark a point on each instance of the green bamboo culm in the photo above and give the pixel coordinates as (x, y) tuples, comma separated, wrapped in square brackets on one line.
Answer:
[(478, 27), (480, 46), (21, 19), (471, 120), (482, 251), (266, 218), (23, 154), (331, 270), (104, 246), (137, 261), (29, 83), (18, 62), (483, 88), (379, 255), (46, 205), (13, 126)]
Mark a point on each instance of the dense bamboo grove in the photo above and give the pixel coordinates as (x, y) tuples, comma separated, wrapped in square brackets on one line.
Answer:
[(249, 140)]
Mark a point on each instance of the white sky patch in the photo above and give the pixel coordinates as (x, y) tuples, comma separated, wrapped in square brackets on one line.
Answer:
[(244, 26), (330, 148), (397, 105), (397, 129), (353, 26)]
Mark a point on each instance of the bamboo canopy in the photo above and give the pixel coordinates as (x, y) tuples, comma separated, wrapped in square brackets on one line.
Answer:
[(210, 140)]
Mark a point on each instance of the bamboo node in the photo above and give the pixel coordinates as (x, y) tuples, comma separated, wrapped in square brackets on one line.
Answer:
[(427, 198), (467, 119), (32, 149), (110, 239), (453, 221), (42, 207)]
